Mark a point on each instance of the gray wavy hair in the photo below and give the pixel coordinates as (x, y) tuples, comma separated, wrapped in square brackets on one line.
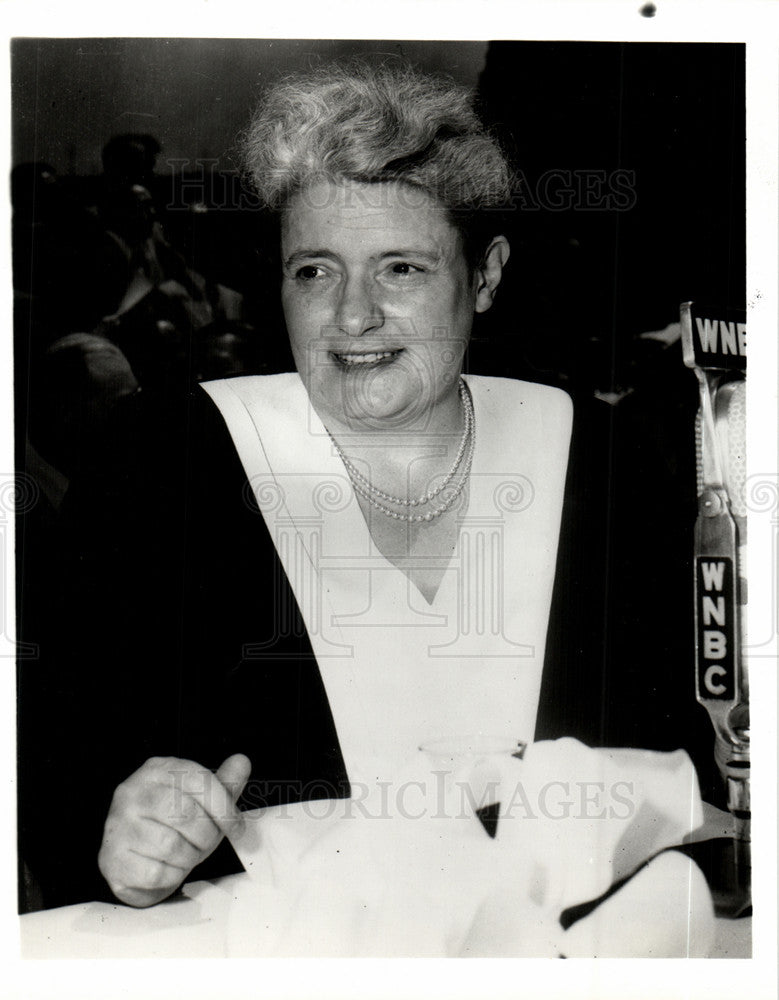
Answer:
[(376, 123)]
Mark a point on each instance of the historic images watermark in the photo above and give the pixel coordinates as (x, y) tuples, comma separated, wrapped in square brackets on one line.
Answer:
[(199, 185), (440, 794)]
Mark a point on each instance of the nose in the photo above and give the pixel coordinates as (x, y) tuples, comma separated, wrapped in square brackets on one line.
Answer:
[(359, 311)]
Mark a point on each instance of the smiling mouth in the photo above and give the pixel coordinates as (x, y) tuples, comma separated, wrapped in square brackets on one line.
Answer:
[(370, 359)]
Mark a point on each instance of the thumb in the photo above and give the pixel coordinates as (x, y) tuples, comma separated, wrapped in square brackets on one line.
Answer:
[(234, 773)]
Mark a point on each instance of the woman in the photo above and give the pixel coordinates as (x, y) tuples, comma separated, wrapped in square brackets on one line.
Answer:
[(385, 184), (413, 514)]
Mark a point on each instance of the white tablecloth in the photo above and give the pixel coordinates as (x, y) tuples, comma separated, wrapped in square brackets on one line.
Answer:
[(194, 925), (200, 921)]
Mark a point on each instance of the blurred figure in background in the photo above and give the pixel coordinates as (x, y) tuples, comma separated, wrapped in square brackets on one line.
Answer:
[(101, 286)]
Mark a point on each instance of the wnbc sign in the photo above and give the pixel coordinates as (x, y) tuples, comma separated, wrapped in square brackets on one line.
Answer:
[(714, 337), (716, 613)]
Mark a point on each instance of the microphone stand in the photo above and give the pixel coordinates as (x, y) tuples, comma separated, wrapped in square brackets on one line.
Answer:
[(715, 348)]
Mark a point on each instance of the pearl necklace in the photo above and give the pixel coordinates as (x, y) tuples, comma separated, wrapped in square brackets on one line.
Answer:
[(371, 493)]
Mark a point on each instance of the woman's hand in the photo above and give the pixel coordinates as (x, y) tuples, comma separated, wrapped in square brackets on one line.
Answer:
[(164, 819)]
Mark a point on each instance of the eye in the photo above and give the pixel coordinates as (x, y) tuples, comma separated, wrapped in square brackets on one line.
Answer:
[(403, 268), (309, 272)]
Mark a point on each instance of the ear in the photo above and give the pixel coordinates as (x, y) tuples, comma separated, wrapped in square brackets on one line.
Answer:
[(489, 273)]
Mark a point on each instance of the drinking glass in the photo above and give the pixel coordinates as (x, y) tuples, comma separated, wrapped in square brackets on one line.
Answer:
[(472, 768)]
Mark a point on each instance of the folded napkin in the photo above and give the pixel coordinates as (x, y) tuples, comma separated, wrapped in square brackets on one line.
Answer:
[(408, 869)]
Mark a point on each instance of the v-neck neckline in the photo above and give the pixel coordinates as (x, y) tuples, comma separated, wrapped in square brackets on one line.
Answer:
[(421, 557), (375, 551), (323, 460), (397, 669)]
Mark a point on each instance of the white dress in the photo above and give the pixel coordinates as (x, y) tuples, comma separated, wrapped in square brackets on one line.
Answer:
[(398, 671)]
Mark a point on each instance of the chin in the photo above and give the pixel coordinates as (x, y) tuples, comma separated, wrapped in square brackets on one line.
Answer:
[(380, 400), (391, 411)]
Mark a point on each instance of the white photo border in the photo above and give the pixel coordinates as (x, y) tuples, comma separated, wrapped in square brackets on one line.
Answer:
[(754, 23)]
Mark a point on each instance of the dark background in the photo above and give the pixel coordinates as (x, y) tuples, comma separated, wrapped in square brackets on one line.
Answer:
[(587, 276), (595, 264)]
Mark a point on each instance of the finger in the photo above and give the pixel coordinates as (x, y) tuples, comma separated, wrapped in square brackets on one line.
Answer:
[(155, 793), (140, 898), (182, 813), (162, 865), (186, 779), (234, 773), (160, 842), (141, 881)]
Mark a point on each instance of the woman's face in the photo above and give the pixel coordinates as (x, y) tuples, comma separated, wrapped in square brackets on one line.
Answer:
[(378, 302)]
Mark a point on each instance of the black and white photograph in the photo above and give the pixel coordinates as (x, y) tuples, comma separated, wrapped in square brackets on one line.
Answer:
[(380, 492)]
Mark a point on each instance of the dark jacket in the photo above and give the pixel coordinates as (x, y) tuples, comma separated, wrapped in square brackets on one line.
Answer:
[(170, 629)]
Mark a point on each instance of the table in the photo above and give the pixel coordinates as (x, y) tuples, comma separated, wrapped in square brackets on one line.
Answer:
[(194, 924)]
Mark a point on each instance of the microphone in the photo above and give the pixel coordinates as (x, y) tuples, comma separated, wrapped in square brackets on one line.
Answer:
[(714, 346)]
